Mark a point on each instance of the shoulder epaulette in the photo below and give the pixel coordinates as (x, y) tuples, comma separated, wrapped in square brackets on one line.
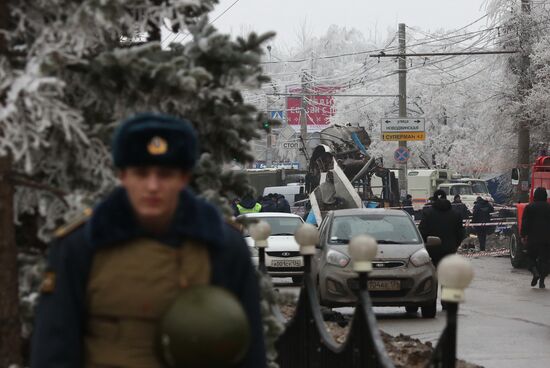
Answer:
[(73, 224)]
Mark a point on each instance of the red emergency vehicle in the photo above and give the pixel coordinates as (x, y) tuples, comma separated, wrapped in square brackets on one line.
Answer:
[(540, 177)]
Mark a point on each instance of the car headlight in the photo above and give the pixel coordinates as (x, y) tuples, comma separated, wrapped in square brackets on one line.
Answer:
[(336, 258), (253, 251), (420, 258)]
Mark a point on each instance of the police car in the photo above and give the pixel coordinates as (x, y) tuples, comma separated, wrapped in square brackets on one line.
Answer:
[(282, 256)]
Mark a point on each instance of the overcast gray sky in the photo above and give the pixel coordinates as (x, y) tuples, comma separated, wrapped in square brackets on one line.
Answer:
[(371, 17)]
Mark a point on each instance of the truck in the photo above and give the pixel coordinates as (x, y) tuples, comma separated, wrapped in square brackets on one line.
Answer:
[(540, 177), (260, 179), (479, 187), (422, 183), (467, 195)]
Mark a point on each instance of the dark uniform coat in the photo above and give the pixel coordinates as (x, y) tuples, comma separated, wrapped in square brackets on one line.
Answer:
[(482, 214), (535, 225), (441, 221), (61, 317), (461, 209)]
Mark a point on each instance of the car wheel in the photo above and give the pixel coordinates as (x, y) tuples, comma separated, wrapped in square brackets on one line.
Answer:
[(411, 309), (429, 310), (516, 249), (297, 279)]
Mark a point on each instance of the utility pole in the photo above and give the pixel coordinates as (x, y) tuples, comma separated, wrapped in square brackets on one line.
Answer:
[(268, 148), (522, 192), (403, 187), (303, 117), (10, 325)]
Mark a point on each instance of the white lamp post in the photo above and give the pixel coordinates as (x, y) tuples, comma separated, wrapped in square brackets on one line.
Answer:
[(260, 231), (307, 236), (362, 250), (455, 274)]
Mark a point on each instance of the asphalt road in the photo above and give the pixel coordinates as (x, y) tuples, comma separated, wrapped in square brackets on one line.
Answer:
[(503, 322)]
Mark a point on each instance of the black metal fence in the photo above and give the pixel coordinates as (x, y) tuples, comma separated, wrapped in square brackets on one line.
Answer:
[(305, 343)]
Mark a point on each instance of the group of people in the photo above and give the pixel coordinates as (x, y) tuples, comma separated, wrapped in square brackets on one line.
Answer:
[(445, 220), (481, 213), (273, 202), (113, 273)]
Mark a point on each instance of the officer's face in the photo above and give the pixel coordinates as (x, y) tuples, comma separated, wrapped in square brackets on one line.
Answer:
[(154, 191)]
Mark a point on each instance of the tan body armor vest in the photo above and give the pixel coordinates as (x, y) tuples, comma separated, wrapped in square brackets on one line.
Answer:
[(129, 287)]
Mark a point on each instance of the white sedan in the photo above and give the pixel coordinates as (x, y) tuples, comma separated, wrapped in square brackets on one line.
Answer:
[(282, 256)]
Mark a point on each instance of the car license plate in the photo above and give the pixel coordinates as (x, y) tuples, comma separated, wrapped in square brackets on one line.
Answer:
[(286, 263), (384, 284)]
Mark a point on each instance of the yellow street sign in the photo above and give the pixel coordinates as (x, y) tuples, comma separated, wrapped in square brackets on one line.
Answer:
[(404, 136)]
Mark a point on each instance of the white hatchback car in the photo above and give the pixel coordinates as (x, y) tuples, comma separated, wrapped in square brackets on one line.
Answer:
[(282, 256)]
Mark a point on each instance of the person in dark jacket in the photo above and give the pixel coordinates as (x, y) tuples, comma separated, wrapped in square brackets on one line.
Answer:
[(440, 220), (482, 214), (112, 274), (461, 208), (247, 205), (281, 204), (535, 233), (407, 205)]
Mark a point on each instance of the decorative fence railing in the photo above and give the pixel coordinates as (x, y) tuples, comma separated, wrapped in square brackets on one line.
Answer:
[(305, 343)]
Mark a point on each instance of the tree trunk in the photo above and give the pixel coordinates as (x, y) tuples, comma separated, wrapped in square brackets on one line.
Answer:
[(10, 325)]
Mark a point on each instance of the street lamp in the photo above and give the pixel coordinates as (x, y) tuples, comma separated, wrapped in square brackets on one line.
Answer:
[(455, 274), (362, 250), (307, 236), (260, 231)]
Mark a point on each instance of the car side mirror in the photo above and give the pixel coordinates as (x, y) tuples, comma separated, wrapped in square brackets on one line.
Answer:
[(433, 241)]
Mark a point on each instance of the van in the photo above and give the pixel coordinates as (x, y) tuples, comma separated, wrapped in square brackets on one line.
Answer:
[(291, 192), (422, 183)]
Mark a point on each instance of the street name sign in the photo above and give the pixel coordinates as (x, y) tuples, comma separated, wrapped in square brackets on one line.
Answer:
[(404, 136), (398, 125)]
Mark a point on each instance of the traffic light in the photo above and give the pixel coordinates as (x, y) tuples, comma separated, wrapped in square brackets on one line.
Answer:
[(266, 125)]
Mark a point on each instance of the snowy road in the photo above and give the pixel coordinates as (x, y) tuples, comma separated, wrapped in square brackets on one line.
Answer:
[(504, 322)]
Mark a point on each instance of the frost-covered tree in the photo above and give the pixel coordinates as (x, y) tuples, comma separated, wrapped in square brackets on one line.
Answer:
[(66, 80), (463, 98)]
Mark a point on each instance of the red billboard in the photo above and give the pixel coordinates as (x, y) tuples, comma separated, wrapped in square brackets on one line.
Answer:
[(319, 107)]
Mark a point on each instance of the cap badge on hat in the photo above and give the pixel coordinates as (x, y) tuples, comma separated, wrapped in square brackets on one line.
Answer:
[(157, 146)]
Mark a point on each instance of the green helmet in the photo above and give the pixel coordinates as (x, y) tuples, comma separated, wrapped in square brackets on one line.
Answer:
[(205, 327)]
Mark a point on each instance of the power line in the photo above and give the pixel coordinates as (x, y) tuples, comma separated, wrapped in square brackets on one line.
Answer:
[(374, 50), (176, 35), (225, 11), (447, 53), (325, 95)]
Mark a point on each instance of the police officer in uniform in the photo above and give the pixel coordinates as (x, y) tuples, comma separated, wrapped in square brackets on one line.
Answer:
[(113, 273), (248, 205)]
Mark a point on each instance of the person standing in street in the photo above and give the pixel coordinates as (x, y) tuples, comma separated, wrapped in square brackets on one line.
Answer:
[(535, 233), (482, 215), (247, 205), (440, 220), (112, 275), (461, 208), (407, 205)]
